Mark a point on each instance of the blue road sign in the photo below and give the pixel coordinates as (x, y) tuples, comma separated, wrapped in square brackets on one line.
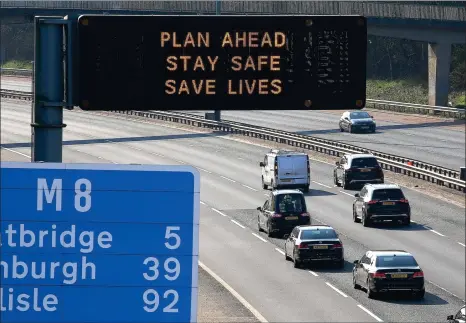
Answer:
[(98, 243)]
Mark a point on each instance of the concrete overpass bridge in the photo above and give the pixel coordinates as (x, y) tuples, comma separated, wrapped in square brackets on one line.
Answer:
[(441, 24)]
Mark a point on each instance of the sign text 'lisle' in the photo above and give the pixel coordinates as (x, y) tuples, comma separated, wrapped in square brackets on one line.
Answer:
[(98, 243), (226, 62)]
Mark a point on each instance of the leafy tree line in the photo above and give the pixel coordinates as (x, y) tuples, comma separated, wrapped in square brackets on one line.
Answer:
[(389, 59)]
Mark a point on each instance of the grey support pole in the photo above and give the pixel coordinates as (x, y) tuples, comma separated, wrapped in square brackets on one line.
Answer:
[(49, 92), (218, 10)]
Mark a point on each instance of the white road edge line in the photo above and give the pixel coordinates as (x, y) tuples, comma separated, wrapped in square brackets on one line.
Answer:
[(370, 313), (321, 184), (16, 152), (251, 188), (445, 290), (462, 244), (336, 289), (280, 251), (258, 237), (204, 170), (234, 293), (313, 273), (215, 210), (436, 232), (228, 179), (347, 193), (238, 224)]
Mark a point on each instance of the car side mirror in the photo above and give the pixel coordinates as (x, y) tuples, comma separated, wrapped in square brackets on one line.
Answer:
[(286, 236), (372, 117), (356, 262), (259, 208), (450, 317), (356, 195), (261, 164)]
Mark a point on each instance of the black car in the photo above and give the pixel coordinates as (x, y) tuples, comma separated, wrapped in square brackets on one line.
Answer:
[(357, 121), (381, 271), (357, 169), (381, 202), (314, 243), (283, 210)]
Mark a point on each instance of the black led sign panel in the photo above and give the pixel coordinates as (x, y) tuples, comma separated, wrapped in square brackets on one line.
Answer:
[(221, 62)]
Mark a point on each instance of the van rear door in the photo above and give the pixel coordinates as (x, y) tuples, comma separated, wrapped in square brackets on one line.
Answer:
[(292, 169)]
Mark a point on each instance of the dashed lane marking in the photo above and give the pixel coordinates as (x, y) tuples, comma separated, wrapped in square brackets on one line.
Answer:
[(215, 210), (251, 188), (203, 203), (205, 170), (336, 289), (258, 237), (370, 313), (436, 232), (346, 193), (238, 224), (280, 251), (313, 273), (228, 179), (321, 184), (461, 244), (16, 152)]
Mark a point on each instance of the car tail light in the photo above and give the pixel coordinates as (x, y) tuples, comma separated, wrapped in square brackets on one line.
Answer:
[(418, 274), (378, 275), (372, 202), (276, 215), (303, 246), (404, 201), (337, 246), (305, 214)]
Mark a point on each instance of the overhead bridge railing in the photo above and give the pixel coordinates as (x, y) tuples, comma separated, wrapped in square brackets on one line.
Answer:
[(414, 168), (449, 112)]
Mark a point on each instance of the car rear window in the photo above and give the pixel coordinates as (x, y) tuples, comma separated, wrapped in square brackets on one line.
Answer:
[(401, 261), (387, 194), (359, 115), (291, 203), (318, 234), (364, 162)]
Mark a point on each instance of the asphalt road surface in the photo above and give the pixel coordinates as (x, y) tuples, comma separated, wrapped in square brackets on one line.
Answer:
[(434, 140), (247, 260)]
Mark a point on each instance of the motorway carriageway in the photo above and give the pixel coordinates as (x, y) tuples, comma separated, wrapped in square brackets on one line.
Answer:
[(433, 140), (248, 261)]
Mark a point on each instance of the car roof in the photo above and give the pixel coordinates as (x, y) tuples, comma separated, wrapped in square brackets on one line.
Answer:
[(284, 152), (351, 156), (382, 186), (389, 253), (314, 227), (287, 191)]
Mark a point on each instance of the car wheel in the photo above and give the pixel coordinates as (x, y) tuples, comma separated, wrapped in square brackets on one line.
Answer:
[(344, 184), (264, 186), (296, 263), (370, 293), (270, 233), (271, 185), (365, 220), (306, 189), (355, 216), (350, 129), (335, 180), (287, 258), (259, 225), (355, 285), (341, 129), (407, 222), (420, 295), (340, 263)]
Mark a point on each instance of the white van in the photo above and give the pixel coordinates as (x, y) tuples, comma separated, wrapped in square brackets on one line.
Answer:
[(286, 169)]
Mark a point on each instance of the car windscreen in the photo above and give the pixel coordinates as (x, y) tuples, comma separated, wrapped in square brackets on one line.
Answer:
[(359, 115), (318, 234), (291, 203), (364, 162), (395, 261), (387, 194)]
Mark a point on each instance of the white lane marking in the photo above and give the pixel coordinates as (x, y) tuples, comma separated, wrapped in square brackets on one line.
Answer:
[(180, 161), (462, 244), (215, 210), (347, 193), (228, 179), (234, 293), (413, 221), (258, 237), (266, 194), (280, 251), (445, 290), (321, 184), (251, 188), (16, 152), (436, 232), (203, 203), (336, 289), (238, 224), (313, 273), (204, 170), (240, 158), (370, 313)]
